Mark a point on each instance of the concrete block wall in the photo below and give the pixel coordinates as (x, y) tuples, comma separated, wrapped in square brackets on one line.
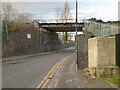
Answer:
[(92, 52), (101, 55), (106, 54)]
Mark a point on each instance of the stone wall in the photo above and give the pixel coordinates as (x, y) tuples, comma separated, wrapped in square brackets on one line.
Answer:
[(49, 41), (102, 55), (41, 41), (83, 50)]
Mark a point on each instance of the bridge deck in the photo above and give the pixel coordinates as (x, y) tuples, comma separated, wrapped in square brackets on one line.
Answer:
[(62, 27)]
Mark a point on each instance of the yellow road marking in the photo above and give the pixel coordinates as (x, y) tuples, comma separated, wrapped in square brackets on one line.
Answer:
[(46, 79)]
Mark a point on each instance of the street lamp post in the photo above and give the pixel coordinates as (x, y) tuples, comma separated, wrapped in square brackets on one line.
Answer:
[(77, 61)]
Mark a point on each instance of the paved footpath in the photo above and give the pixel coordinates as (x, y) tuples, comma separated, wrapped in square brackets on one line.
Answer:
[(67, 77), (13, 58)]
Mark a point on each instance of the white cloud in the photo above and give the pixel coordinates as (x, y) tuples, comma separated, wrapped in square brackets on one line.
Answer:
[(108, 13), (37, 0), (105, 11), (101, 9)]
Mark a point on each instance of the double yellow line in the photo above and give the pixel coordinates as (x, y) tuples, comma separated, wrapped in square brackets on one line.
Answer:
[(46, 79)]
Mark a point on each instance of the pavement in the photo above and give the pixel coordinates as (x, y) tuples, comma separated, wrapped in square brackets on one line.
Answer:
[(66, 76), (19, 57), (12, 58)]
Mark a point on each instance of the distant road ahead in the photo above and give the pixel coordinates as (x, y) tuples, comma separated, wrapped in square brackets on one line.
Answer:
[(27, 73)]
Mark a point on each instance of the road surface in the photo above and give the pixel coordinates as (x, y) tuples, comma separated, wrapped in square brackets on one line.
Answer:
[(27, 73)]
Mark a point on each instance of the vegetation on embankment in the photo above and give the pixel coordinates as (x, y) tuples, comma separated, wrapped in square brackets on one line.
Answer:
[(114, 23), (113, 80)]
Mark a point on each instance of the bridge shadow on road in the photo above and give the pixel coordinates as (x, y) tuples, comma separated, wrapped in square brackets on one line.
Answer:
[(67, 50)]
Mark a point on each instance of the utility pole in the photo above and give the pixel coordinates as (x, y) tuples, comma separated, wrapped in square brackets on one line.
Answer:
[(77, 61)]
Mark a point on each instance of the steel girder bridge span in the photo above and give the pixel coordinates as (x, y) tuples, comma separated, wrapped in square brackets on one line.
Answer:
[(62, 27)]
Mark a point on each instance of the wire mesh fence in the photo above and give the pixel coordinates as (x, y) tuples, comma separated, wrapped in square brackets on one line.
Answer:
[(102, 29)]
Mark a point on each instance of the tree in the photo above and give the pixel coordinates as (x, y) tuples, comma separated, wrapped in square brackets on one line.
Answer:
[(66, 11), (14, 19), (24, 17), (6, 9), (58, 12), (65, 16), (11, 14), (92, 19)]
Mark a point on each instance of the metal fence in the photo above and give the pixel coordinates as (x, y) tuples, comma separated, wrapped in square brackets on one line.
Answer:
[(101, 29)]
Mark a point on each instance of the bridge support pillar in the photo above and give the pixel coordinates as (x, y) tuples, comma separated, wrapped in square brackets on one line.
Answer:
[(83, 51)]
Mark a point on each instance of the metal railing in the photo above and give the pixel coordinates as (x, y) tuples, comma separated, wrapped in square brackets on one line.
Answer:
[(101, 29)]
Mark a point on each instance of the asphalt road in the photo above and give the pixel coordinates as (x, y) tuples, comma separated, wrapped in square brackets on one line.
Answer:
[(27, 73)]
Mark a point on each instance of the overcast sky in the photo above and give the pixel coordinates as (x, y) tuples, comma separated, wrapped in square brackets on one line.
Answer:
[(101, 9)]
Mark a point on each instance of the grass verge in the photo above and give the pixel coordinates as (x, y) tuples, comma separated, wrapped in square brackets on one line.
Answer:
[(112, 80)]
